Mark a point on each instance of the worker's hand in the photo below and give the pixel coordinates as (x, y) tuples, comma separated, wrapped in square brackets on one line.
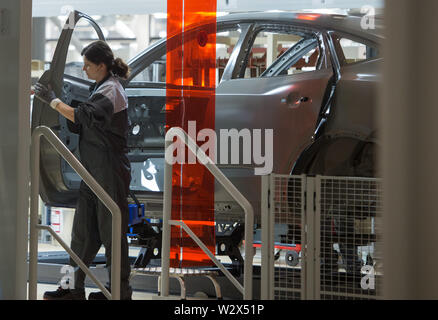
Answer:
[(45, 94)]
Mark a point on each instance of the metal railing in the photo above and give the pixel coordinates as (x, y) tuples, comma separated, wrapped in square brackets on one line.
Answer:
[(246, 289), (34, 226)]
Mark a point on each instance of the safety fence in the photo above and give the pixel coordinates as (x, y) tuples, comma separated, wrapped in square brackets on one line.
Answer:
[(322, 238)]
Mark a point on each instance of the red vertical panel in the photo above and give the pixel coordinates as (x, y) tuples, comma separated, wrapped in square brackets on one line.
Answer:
[(190, 96), (173, 102)]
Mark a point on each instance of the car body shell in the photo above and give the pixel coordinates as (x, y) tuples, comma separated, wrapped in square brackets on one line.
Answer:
[(325, 134)]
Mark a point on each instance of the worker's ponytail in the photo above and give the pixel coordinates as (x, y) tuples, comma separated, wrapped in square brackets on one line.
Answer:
[(99, 52), (120, 68)]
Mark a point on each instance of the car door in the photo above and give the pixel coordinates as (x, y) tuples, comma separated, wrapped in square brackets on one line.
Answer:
[(146, 91), (273, 98), (58, 182)]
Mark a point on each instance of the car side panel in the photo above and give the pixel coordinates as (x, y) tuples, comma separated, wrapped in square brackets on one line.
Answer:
[(259, 103), (354, 109), (350, 125)]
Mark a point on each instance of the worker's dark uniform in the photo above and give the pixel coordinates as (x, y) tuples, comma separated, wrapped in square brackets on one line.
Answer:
[(102, 125)]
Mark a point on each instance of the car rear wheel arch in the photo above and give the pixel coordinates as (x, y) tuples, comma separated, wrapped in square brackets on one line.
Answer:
[(346, 155)]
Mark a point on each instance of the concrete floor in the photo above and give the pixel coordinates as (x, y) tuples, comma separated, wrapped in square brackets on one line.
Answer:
[(42, 287), (136, 295)]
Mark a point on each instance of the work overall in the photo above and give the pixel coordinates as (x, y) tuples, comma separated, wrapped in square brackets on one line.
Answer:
[(102, 125)]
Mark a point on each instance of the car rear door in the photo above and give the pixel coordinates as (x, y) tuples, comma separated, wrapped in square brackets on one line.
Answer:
[(59, 183), (273, 99), (283, 96)]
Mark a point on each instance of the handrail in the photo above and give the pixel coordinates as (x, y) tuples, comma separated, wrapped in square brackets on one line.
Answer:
[(167, 208), (199, 242), (100, 193)]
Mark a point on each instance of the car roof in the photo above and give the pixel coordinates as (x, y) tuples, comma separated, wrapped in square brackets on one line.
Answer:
[(329, 22)]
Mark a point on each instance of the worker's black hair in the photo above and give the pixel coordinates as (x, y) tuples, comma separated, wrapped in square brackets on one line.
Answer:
[(99, 52)]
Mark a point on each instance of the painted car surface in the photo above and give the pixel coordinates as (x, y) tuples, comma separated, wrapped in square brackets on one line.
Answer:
[(323, 120)]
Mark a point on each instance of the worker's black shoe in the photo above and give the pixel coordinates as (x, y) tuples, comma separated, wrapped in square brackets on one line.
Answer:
[(100, 296), (97, 296), (64, 294)]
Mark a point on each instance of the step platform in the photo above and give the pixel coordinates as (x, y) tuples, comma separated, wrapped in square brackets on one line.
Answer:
[(181, 274)]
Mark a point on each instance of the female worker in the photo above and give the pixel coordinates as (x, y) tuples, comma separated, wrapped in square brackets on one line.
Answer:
[(102, 125)]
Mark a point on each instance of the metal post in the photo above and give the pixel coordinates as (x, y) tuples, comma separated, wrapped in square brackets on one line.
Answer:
[(15, 57), (316, 236), (33, 239), (167, 213), (272, 235), (266, 254), (304, 233), (310, 240), (409, 150)]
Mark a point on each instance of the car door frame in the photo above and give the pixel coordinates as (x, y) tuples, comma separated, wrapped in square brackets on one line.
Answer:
[(152, 53), (250, 29), (57, 66), (51, 177)]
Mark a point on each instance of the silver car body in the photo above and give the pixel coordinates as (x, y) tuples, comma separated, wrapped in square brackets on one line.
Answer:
[(322, 120)]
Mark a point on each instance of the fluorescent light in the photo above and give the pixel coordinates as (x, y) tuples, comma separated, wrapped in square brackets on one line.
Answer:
[(327, 11), (160, 15)]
